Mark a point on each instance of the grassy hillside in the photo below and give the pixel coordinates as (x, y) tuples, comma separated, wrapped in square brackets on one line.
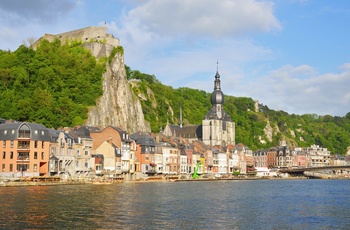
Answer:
[(162, 103)]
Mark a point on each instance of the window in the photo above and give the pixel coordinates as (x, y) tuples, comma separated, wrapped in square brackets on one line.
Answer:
[(22, 167), (36, 144), (42, 144), (35, 168), (11, 155), (4, 144), (11, 145), (35, 155), (86, 164), (86, 152), (98, 167), (42, 155), (3, 167), (53, 150), (146, 157), (3, 155), (11, 167), (78, 152), (24, 131)]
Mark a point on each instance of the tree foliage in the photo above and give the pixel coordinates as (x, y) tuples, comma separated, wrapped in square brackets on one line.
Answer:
[(297, 130), (53, 85)]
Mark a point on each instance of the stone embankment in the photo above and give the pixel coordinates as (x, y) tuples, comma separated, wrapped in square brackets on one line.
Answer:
[(18, 182)]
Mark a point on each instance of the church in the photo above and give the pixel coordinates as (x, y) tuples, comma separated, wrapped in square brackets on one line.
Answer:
[(217, 126)]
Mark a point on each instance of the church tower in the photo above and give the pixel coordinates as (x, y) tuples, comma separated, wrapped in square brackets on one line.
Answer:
[(217, 126)]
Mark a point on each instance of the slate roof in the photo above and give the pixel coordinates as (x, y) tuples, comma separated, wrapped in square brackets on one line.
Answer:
[(188, 131), (83, 131), (9, 131), (211, 115), (143, 138)]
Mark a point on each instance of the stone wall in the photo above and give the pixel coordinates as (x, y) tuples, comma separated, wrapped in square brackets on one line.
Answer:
[(85, 35)]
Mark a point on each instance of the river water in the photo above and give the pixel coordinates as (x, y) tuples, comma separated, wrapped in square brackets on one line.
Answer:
[(258, 204)]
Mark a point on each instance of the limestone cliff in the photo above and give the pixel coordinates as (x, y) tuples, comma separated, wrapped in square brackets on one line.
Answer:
[(118, 106)]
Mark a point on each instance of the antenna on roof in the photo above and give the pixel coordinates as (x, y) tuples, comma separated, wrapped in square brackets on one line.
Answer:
[(217, 65), (180, 116)]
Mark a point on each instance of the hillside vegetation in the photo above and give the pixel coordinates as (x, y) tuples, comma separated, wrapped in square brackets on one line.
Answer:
[(55, 85), (161, 104)]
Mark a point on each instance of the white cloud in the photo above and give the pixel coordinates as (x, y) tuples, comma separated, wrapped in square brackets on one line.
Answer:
[(345, 66), (205, 17), (176, 40), (284, 89)]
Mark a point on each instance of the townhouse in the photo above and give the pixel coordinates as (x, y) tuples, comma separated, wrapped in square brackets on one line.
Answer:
[(114, 152), (144, 153), (317, 156), (25, 149)]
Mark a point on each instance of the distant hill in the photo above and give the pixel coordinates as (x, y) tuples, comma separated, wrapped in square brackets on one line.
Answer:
[(56, 85), (257, 126)]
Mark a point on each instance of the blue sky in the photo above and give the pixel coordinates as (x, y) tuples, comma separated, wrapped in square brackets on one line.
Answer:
[(291, 55)]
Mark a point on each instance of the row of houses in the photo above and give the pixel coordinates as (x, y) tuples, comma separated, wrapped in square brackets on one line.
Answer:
[(284, 157), (29, 150), (83, 152)]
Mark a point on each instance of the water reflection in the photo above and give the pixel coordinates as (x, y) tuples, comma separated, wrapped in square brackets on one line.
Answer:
[(264, 204)]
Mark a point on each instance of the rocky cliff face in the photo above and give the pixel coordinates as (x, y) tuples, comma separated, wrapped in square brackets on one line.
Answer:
[(118, 105)]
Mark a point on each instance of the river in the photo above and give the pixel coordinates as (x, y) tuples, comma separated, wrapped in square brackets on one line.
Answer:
[(257, 204)]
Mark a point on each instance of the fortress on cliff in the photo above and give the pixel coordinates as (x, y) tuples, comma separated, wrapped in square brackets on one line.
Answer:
[(88, 35)]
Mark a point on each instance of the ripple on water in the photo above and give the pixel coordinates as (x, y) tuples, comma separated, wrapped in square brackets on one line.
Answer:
[(266, 204)]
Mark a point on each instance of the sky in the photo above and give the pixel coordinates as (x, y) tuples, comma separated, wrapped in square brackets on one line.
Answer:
[(291, 55)]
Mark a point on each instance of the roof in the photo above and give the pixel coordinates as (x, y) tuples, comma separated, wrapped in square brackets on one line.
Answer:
[(10, 131), (188, 131), (82, 131), (143, 138), (212, 115)]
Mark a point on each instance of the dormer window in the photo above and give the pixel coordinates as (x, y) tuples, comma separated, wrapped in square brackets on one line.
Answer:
[(24, 131)]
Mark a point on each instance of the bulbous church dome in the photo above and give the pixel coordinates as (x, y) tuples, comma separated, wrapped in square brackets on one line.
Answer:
[(217, 97)]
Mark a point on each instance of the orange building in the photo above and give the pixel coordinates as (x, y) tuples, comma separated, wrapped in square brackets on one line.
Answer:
[(25, 149), (125, 147), (145, 152)]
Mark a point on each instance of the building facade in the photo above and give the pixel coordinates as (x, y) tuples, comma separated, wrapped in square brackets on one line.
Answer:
[(217, 126), (25, 149)]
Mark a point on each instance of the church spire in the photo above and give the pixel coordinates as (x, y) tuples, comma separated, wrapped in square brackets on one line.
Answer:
[(217, 82)]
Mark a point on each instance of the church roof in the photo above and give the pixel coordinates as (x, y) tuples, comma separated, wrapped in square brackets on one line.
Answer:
[(188, 131), (212, 115)]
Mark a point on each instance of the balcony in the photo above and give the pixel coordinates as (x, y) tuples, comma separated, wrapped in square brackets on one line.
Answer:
[(23, 145), (23, 158), (23, 135)]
